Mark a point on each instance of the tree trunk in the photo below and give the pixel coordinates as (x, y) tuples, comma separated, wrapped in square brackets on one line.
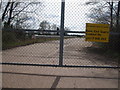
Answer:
[(10, 13), (111, 16), (6, 8)]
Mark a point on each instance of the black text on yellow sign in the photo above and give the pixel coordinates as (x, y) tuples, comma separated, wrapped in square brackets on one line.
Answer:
[(97, 32)]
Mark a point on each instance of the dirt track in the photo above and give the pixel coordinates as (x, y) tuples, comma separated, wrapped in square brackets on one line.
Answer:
[(75, 53)]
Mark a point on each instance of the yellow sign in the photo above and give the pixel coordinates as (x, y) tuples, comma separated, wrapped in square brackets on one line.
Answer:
[(97, 32)]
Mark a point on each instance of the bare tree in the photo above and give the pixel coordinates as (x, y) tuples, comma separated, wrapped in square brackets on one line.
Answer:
[(107, 12), (44, 25), (14, 9)]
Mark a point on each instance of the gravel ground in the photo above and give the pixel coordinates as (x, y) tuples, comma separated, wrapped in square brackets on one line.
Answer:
[(75, 53)]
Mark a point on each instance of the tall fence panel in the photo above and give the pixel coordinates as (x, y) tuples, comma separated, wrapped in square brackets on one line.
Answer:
[(29, 42), (78, 51), (54, 35)]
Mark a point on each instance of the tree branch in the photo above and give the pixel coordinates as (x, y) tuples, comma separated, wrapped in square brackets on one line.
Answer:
[(10, 13), (6, 8), (21, 10)]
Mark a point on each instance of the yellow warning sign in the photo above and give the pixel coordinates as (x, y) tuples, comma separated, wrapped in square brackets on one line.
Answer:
[(97, 32)]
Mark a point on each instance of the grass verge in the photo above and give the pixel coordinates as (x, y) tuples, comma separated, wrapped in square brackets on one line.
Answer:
[(9, 45), (18, 43)]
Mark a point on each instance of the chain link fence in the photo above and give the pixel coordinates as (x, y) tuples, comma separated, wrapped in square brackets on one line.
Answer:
[(79, 52), (39, 53), (27, 41), (33, 35)]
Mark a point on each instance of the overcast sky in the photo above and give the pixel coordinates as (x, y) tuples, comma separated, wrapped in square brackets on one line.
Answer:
[(75, 13)]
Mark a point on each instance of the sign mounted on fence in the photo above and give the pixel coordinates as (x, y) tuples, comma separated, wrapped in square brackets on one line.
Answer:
[(97, 32)]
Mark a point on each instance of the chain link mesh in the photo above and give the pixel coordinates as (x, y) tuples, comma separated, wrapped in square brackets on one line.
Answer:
[(43, 46), (33, 39), (77, 51), (39, 48)]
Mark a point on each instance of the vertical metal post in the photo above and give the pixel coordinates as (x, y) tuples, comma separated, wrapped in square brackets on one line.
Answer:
[(62, 33)]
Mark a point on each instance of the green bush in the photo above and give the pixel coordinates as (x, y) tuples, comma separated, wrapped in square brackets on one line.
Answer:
[(114, 42), (8, 36)]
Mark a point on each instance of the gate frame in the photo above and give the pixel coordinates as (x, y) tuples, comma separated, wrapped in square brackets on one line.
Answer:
[(61, 46), (62, 33)]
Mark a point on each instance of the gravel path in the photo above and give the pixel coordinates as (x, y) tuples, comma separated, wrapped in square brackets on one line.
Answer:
[(75, 53)]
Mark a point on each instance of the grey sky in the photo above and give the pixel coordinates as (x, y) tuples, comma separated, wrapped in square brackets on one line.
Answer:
[(75, 13)]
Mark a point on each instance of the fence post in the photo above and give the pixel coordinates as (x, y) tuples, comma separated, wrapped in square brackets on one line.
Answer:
[(62, 33)]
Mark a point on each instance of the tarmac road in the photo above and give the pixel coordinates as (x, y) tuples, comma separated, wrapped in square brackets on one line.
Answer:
[(75, 53)]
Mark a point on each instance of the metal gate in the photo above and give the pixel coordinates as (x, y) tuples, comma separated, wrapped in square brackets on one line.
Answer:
[(60, 47)]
